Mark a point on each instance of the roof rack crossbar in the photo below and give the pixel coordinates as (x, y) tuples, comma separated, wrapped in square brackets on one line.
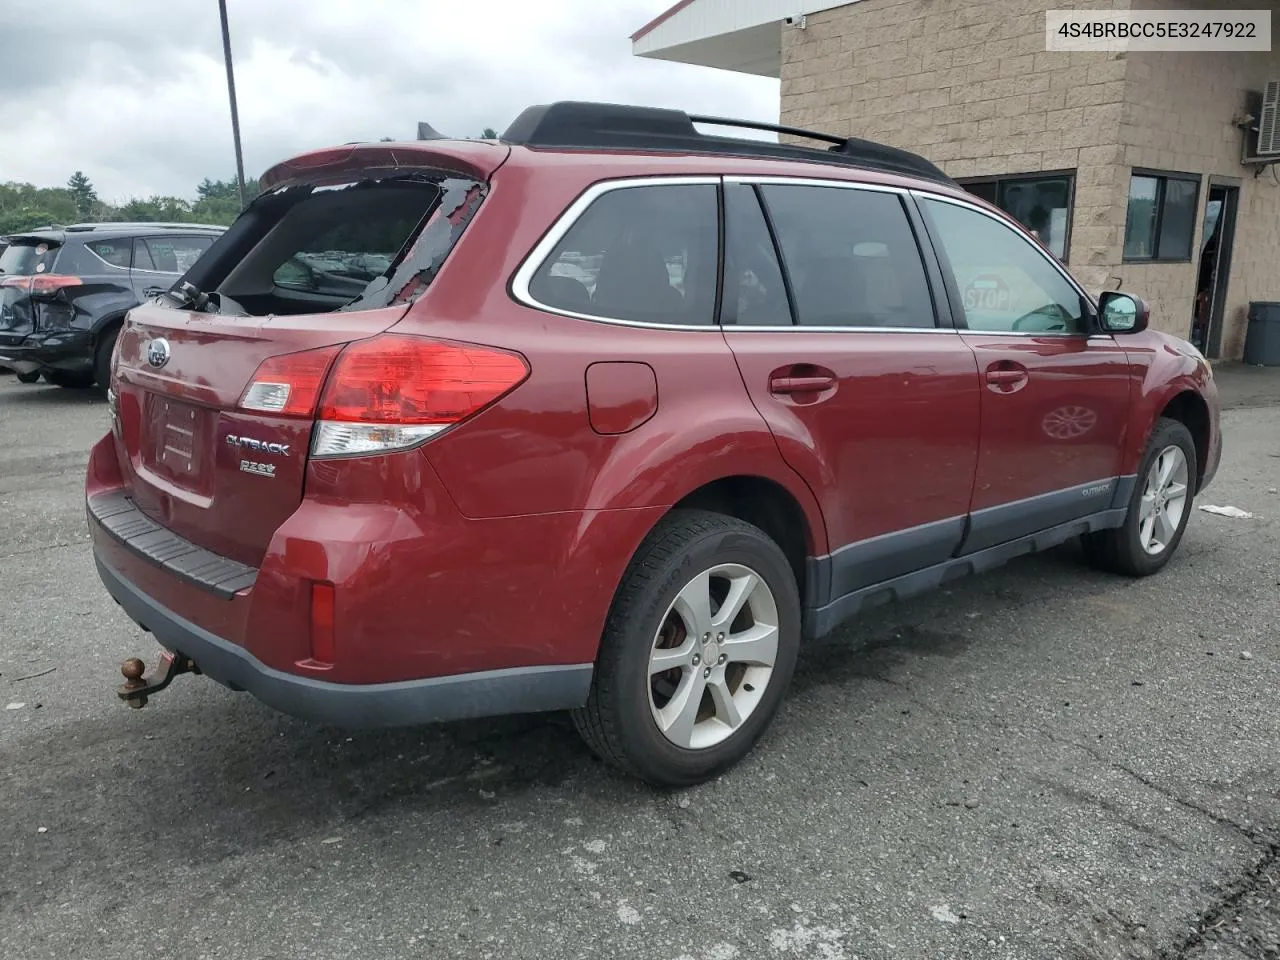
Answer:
[(574, 125)]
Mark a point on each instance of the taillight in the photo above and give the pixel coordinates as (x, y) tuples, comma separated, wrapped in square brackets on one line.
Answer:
[(289, 384), (42, 284), (392, 391)]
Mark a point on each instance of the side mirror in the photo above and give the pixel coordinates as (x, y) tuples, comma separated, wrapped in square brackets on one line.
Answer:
[(1122, 312)]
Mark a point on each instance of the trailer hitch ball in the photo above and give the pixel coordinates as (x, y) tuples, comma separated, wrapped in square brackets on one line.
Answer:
[(133, 669), (138, 686)]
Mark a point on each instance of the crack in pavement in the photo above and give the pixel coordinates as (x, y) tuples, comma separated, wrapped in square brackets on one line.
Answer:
[(43, 548), (1227, 906)]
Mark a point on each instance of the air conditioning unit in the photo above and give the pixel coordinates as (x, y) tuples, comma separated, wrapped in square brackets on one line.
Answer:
[(1269, 121), (1261, 127)]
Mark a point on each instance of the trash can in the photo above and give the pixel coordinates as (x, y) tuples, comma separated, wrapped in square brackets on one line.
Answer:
[(1262, 336)]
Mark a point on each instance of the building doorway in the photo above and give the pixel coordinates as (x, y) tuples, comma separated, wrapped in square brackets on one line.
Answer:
[(1215, 266)]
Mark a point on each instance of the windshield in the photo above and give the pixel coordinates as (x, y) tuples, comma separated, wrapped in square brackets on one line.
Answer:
[(27, 257)]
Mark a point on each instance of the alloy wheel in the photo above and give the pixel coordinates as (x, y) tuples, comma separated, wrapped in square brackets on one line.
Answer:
[(1164, 500), (713, 656)]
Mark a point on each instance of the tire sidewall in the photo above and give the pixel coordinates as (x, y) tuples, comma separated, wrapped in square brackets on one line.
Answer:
[(1167, 433), (645, 743), (102, 357)]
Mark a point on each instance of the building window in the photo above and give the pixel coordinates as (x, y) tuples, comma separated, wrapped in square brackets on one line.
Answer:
[(1041, 202), (1162, 216)]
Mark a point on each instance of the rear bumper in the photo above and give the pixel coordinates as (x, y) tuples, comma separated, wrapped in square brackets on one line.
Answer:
[(61, 351), (403, 703)]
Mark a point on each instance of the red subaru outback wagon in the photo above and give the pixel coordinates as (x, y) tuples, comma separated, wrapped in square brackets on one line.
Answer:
[(608, 416)]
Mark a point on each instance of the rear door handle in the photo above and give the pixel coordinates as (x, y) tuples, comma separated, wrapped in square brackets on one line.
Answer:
[(814, 384), (1001, 377), (1006, 376)]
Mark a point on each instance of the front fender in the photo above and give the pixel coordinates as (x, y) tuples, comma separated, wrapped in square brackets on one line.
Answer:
[(1163, 371)]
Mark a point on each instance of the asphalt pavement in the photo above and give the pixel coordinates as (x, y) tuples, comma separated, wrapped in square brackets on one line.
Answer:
[(1043, 762)]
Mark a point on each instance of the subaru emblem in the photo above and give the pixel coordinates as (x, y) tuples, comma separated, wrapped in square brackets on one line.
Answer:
[(158, 352)]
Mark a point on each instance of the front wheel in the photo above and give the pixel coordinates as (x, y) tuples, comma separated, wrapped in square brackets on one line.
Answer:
[(30, 377), (697, 652), (1158, 509)]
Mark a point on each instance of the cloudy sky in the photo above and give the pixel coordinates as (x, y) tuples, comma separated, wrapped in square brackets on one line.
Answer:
[(134, 92)]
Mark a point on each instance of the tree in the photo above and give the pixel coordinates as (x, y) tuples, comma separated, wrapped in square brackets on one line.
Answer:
[(489, 134), (156, 210), (82, 193)]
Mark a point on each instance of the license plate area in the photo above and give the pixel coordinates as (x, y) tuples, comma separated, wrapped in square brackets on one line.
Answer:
[(178, 449)]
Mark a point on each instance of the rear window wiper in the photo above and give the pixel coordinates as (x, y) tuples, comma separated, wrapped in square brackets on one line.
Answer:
[(186, 296)]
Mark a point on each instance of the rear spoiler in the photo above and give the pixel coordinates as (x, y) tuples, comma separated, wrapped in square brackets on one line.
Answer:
[(475, 159)]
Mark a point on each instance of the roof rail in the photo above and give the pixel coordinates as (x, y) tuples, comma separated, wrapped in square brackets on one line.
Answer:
[(138, 225), (582, 125)]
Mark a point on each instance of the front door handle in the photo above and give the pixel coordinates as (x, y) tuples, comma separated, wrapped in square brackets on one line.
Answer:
[(813, 384)]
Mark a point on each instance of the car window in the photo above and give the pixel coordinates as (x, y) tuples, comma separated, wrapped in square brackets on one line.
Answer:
[(176, 254), (645, 253), (142, 256), (1005, 281), (754, 291), (26, 257), (117, 253), (851, 256)]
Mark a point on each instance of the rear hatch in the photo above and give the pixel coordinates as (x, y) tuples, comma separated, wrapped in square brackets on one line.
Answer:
[(25, 264), (215, 385)]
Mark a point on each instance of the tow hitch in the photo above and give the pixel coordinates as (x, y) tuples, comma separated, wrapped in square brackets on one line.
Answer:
[(137, 687)]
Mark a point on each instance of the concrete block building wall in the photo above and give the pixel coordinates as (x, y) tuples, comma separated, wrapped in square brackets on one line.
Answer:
[(970, 85)]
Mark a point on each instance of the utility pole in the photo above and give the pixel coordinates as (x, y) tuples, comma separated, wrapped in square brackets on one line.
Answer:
[(231, 94)]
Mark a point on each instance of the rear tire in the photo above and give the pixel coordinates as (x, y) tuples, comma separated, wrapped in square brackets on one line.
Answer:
[(1159, 507), (731, 657), (30, 377), (102, 358), (69, 381)]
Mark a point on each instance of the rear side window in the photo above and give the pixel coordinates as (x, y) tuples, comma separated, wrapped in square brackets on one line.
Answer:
[(114, 253), (646, 253), (142, 256), (28, 257), (851, 256), (175, 254)]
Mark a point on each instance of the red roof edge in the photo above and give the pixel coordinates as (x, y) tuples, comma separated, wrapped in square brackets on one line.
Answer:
[(659, 20)]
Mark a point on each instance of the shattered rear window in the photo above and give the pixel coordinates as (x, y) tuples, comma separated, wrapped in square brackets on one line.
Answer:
[(349, 246)]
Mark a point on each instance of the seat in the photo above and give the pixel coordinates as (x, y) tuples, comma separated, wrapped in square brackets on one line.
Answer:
[(566, 293), (834, 294), (633, 283)]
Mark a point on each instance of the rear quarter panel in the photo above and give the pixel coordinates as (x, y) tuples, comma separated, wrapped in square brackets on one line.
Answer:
[(535, 451)]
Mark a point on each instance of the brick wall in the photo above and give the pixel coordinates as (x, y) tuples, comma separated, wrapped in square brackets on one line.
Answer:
[(968, 84), (1178, 116)]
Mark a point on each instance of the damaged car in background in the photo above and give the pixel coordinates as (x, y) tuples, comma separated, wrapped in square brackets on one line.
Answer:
[(64, 292)]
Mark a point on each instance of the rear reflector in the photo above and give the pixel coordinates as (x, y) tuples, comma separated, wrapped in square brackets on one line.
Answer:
[(394, 391), (289, 384), (322, 616)]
